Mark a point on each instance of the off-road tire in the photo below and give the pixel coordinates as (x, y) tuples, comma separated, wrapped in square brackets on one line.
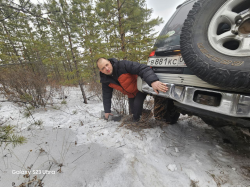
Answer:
[(212, 66), (165, 110)]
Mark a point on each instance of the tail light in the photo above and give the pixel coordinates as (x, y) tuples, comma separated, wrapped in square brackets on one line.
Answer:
[(152, 54)]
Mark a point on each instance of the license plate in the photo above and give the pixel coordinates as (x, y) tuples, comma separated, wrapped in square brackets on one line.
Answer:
[(172, 61)]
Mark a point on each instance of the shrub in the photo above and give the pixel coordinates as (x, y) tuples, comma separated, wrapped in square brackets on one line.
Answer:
[(26, 85), (120, 102), (94, 88), (64, 102)]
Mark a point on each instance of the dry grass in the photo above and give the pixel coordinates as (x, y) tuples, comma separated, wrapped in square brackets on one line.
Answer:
[(246, 171), (139, 126), (147, 121), (95, 90), (194, 183)]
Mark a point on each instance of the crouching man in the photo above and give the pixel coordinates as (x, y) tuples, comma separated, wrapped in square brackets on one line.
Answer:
[(122, 76)]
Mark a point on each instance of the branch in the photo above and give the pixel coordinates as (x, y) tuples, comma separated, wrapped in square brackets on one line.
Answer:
[(19, 9), (2, 65)]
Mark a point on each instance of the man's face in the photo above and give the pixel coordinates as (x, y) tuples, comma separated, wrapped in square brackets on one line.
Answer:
[(105, 67)]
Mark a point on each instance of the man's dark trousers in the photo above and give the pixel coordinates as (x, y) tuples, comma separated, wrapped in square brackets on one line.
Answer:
[(136, 105)]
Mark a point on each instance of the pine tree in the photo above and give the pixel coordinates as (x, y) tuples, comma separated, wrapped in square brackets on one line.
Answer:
[(127, 27), (65, 26), (8, 136), (90, 40)]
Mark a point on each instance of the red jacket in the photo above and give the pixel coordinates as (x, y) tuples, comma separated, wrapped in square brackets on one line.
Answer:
[(128, 85)]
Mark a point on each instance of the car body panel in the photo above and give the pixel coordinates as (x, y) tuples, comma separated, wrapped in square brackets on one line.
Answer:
[(231, 104)]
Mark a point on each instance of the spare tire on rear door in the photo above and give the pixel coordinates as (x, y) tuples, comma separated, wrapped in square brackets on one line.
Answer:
[(215, 42)]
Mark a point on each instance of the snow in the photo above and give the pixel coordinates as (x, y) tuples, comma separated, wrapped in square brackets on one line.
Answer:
[(75, 147), (172, 167)]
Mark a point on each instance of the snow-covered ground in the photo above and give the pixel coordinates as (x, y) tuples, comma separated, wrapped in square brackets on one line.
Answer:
[(74, 147)]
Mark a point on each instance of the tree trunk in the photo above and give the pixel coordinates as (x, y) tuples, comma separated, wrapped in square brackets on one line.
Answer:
[(83, 92), (76, 65), (121, 29)]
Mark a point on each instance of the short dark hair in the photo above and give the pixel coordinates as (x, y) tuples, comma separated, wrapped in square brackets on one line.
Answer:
[(99, 60)]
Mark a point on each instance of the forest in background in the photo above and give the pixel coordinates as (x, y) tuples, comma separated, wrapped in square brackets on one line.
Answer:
[(57, 42)]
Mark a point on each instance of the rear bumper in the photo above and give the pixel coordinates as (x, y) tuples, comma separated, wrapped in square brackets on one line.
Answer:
[(231, 104)]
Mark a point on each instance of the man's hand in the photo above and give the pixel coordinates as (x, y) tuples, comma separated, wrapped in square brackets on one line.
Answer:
[(159, 86), (107, 115)]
